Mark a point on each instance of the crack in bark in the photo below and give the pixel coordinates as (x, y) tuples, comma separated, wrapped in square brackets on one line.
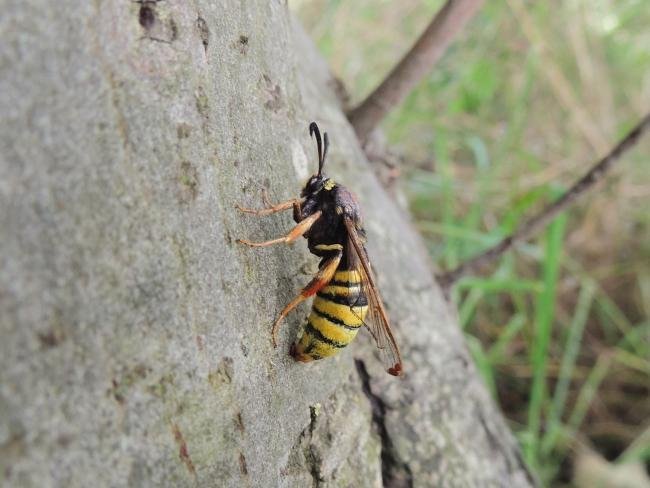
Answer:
[(395, 473), (313, 463), (311, 455), (309, 451)]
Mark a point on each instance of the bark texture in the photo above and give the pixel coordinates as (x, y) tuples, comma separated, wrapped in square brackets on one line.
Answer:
[(135, 331)]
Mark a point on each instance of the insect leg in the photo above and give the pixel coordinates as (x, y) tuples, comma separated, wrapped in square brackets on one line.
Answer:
[(296, 232), (297, 210), (322, 278), (269, 208)]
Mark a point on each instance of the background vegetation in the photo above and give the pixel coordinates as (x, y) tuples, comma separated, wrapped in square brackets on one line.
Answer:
[(521, 105)]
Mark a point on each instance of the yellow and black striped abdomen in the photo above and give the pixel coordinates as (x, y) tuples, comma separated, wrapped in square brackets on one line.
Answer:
[(337, 314)]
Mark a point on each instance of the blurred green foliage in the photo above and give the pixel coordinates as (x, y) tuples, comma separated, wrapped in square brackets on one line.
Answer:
[(529, 96)]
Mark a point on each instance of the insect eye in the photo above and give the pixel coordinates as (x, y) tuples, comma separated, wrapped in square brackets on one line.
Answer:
[(314, 184), (311, 186)]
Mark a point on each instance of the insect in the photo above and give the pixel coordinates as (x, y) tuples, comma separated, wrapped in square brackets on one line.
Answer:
[(346, 294)]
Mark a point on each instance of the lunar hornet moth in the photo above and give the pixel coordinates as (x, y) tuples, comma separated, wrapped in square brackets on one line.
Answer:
[(346, 295)]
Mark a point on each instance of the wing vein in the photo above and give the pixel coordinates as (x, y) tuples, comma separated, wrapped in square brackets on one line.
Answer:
[(378, 324)]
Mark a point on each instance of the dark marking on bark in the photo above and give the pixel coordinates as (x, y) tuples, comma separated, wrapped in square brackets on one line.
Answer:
[(313, 416), (64, 440), (204, 32), (239, 423), (222, 375), (341, 92), (183, 452), (55, 333), (164, 32), (173, 30), (188, 180), (159, 388), (141, 371), (199, 343), (201, 101), (156, 39), (463, 360), (15, 445), (129, 377), (241, 44), (146, 16), (117, 392), (13, 448), (242, 464), (183, 130), (228, 237), (202, 105), (51, 337), (274, 102), (394, 471)]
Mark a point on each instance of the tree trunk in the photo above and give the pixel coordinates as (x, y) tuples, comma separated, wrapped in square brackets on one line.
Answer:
[(136, 332)]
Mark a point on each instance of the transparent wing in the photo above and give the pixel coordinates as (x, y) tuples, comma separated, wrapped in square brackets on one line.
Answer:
[(376, 320)]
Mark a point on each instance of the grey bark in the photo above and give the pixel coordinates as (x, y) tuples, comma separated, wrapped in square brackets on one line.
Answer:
[(135, 331)]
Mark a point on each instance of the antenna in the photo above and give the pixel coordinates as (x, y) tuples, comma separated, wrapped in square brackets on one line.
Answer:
[(313, 129), (326, 142)]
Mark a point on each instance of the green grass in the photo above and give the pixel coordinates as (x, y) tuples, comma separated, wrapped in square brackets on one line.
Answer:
[(544, 320), (561, 324), (568, 363)]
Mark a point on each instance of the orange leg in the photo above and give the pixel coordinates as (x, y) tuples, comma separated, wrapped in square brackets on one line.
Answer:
[(296, 232), (269, 208), (322, 278)]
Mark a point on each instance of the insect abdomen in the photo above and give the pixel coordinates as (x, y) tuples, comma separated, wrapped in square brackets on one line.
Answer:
[(337, 314)]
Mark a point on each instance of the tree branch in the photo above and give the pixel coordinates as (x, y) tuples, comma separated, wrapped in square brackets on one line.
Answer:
[(424, 54), (534, 224)]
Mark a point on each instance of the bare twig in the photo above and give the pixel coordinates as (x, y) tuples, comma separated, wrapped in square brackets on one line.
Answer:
[(534, 224), (424, 54)]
